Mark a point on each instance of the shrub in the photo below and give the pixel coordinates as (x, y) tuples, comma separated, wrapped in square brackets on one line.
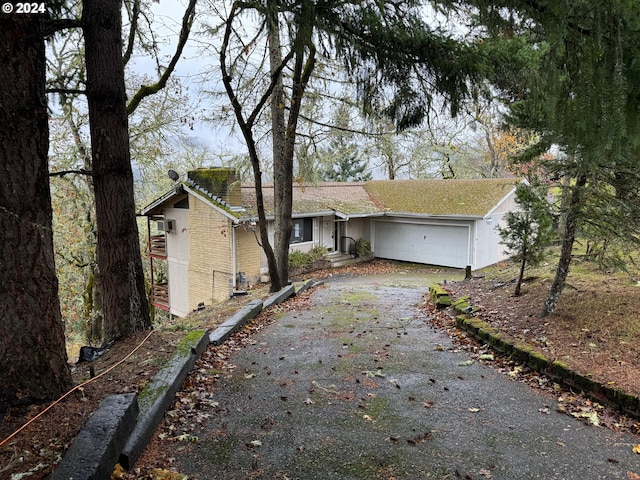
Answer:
[(317, 253), (363, 248), (298, 259)]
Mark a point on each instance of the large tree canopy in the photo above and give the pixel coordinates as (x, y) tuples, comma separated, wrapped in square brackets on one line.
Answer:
[(395, 58), (581, 92)]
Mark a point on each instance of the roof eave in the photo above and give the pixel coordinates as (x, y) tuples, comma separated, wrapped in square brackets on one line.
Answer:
[(159, 201), (453, 216)]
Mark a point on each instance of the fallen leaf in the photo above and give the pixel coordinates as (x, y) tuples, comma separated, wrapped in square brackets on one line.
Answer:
[(632, 476), (591, 416), (163, 474), (187, 437), (473, 410), (636, 449), (485, 473), (420, 438)]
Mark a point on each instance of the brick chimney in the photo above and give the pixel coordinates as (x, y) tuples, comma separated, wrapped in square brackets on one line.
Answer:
[(220, 182)]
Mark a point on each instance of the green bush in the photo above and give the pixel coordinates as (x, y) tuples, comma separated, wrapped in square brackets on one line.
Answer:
[(363, 248), (298, 259), (317, 253)]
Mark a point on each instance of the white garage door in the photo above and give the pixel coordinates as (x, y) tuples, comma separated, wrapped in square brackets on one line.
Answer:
[(444, 245)]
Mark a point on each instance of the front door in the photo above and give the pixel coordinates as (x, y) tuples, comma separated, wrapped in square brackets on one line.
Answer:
[(328, 233)]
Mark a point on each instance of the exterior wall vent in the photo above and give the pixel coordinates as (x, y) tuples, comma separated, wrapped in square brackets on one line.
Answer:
[(167, 226)]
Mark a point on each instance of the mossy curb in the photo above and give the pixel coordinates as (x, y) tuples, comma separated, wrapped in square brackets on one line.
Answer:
[(521, 352), (439, 296)]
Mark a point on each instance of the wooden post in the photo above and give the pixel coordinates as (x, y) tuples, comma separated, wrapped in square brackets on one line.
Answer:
[(467, 272)]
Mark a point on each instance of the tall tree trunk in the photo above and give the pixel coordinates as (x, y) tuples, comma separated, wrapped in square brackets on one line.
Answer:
[(92, 295), (568, 239), (301, 72), (282, 179), (32, 346), (126, 309), (246, 127)]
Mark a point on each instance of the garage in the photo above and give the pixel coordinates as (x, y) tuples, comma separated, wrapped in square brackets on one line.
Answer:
[(433, 244)]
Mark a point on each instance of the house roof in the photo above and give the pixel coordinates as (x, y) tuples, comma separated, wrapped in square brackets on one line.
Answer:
[(345, 198), (468, 197)]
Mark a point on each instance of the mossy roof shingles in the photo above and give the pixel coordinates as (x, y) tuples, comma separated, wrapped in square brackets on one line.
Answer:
[(471, 197), (347, 198)]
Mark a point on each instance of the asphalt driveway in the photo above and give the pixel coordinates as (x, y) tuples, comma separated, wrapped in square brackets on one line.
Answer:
[(362, 387)]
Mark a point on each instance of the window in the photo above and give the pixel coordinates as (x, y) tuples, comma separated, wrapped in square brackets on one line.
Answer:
[(302, 230)]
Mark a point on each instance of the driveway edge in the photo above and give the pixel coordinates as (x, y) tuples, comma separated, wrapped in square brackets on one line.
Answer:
[(150, 405), (559, 372)]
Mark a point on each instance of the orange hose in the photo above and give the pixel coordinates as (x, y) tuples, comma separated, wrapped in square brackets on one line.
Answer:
[(73, 390)]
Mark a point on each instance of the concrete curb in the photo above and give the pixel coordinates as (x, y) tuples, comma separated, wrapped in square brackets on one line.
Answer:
[(557, 371), (242, 316), (279, 297), (95, 450), (305, 286), (158, 395)]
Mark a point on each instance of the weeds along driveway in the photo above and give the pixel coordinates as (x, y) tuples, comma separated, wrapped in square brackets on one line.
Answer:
[(360, 386)]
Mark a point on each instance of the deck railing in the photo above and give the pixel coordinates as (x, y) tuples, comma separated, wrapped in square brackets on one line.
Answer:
[(160, 296), (158, 245), (348, 246)]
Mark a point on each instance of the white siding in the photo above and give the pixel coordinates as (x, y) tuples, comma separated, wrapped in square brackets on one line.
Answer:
[(178, 262), (488, 249)]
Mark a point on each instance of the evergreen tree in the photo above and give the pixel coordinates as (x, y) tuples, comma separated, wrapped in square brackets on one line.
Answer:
[(33, 359), (346, 166), (528, 231), (579, 88), (342, 161)]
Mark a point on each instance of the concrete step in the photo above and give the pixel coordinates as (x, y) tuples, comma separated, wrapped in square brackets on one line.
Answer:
[(344, 260)]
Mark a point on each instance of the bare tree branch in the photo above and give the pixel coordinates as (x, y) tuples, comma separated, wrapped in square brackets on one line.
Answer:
[(62, 173), (146, 90)]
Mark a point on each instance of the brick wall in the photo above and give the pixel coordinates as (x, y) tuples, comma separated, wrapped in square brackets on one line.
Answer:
[(210, 262), (248, 255)]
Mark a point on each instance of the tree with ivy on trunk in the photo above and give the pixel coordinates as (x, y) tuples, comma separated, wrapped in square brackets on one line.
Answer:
[(126, 309), (116, 298)]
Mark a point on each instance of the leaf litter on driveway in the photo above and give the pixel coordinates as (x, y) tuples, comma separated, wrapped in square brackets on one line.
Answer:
[(314, 388)]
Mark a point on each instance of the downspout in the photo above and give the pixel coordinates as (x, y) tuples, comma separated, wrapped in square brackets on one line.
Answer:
[(233, 255)]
